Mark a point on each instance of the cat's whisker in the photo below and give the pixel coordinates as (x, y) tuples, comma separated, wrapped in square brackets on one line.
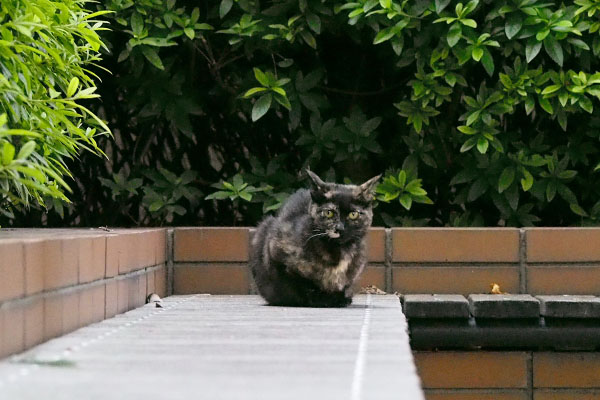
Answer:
[(314, 236)]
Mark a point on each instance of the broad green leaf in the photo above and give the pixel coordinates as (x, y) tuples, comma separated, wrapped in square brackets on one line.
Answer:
[(477, 53), (577, 209), (550, 191), (402, 179), (8, 153), (189, 32), (225, 7), (454, 34), (527, 180), (469, 144), (477, 189), (554, 49), (261, 77), (469, 22), (506, 179), (314, 22), (383, 35), (513, 24), (73, 86), (245, 195), (541, 35), (482, 145), (467, 130), (152, 56), (261, 106), (137, 24), (309, 39), (488, 62), (586, 104), (253, 91), (406, 200), (26, 150), (32, 172), (551, 89), (532, 49), (545, 104), (473, 117), (440, 5), (283, 100)]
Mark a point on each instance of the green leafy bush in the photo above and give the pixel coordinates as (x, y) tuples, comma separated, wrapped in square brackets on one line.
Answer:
[(46, 50), (487, 109)]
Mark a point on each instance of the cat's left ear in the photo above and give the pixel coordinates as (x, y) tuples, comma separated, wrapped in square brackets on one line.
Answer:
[(317, 182), (366, 189)]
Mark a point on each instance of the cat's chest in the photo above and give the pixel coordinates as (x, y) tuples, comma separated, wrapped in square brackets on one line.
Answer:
[(335, 276)]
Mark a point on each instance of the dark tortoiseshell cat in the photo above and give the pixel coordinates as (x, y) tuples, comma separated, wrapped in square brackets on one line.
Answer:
[(313, 250)]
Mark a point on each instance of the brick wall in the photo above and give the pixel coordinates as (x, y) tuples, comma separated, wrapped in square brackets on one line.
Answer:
[(416, 260), (52, 282), (471, 375), (215, 260), (55, 281)]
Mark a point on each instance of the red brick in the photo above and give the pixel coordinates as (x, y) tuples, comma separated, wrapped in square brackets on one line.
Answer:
[(150, 286), (52, 264), (212, 278), (161, 247), (86, 257), (376, 245), (111, 300), (70, 312), (372, 276), (113, 251), (142, 284), (211, 244), (127, 253), (70, 261), (455, 244), (572, 394), (566, 370), (98, 257), (563, 244), (34, 322), (567, 279), (86, 307), (148, 248), (13, 337), (123, 296), (465, 370), (53, 316), (458, 280), (477, 395), (160, 282), (12, 283), (34, 266), (98, 303)]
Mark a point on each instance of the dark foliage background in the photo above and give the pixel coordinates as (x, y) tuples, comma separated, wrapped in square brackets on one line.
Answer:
[(479, 113)]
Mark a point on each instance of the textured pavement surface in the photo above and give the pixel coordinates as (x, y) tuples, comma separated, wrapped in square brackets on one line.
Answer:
[(225, 347)]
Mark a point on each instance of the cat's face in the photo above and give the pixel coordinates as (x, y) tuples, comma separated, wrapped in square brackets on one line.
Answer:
[(342, 212)]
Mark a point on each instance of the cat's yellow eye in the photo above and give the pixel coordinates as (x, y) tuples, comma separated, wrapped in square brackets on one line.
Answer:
[(353, 215), (327, 213)]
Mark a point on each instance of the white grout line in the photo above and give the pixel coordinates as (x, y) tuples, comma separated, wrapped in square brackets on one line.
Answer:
[(24, 371), (361, 357)]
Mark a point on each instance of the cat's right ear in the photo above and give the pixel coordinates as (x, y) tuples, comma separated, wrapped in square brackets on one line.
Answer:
[(318, 187)]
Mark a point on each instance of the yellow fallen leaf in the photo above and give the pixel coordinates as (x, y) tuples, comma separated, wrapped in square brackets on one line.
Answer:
[(496, 289)]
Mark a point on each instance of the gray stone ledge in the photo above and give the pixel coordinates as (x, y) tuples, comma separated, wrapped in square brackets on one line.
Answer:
[(435, 306)]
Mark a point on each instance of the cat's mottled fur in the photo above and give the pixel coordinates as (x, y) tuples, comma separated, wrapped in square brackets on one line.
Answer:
[(313, 250)]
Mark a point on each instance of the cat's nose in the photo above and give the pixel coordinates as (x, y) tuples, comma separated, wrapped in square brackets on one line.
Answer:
[(339, 227)]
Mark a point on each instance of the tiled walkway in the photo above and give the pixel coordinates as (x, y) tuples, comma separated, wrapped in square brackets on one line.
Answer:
[(225, 347)]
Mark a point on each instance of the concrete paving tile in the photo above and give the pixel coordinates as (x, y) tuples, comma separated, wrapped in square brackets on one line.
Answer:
[(225, 347)]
